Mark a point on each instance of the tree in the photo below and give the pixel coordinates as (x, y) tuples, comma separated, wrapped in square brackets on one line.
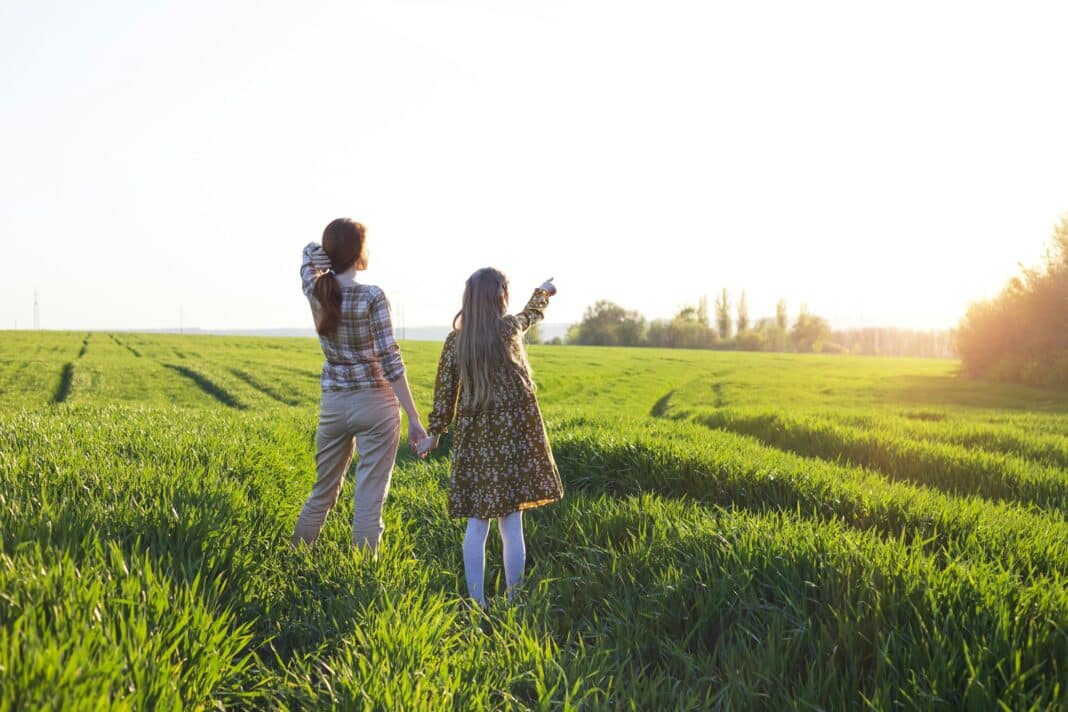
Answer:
[(1022, 334), (743, 314), (781, 317), (750, 341), (772, 338), (723, 315), (702, 310), (608, 324), (659, 334), (809, 331), (689, 329)]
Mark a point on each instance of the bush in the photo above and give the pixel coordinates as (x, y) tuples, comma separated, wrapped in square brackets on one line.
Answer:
[(608, 324), (808, 331), (749, 341), (829, 347)]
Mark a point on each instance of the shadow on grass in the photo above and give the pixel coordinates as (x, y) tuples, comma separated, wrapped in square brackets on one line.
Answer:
[(66, 376), (660, 408), (631, 468), (263, 388), (205, 384), (960, 391)]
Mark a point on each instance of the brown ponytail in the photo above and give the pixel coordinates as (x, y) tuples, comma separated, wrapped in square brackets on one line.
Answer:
[(344, 243), (329, 295)]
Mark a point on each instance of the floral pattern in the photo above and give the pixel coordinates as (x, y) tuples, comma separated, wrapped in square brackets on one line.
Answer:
[(501, 459)]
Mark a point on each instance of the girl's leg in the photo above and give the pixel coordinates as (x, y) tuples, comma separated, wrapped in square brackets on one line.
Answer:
[(475, 558), (515, 550), (333, 454)]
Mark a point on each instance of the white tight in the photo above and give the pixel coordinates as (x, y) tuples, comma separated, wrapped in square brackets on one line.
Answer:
[(515, 553)]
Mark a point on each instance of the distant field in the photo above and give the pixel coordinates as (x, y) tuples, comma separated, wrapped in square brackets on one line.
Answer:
[(753, 531)]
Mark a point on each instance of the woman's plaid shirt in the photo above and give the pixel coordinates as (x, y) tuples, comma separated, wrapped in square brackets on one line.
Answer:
[(362, 352)]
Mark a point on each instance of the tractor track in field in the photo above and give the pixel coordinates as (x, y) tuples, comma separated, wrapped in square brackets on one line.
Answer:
[(248, 379), (632, 467), (208, 386), (63, 388), (125, 345), (66, 375), (951, 469), (659, 409), (995, 477), (254, 383)]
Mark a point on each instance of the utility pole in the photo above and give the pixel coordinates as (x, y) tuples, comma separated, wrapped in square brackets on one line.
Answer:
[(36, 312), (403, 324), (181, 319)]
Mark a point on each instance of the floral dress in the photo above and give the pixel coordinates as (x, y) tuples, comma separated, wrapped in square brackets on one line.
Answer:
[(501, 461)]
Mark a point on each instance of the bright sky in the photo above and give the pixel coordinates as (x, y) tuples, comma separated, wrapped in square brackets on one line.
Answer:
[(885, 163)]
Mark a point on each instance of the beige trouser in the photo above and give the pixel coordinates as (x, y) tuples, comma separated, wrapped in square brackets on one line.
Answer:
[(368, 419)]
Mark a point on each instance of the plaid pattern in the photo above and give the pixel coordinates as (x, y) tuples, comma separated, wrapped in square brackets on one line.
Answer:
[(362, 352)]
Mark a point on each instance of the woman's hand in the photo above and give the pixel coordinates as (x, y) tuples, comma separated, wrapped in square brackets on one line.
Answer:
[(548, 286), (416, 434), (320, 260), (425, 445)]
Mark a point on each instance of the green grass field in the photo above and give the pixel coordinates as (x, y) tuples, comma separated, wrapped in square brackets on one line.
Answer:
[(751, 531)]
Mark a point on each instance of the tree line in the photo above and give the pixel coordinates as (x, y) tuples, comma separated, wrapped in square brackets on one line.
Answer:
[(728, 325), (1022, 334)]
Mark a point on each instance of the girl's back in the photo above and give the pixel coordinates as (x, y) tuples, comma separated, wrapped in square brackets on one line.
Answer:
[(501, 460)]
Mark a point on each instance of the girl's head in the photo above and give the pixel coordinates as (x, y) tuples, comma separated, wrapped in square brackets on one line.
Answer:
[(485, 297), (480, 345), (344, 242)]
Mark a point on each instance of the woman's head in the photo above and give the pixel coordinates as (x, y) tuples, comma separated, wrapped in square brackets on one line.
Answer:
[(344, 242), (480, 345)]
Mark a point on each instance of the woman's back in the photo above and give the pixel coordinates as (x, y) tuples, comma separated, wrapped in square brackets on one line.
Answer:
[(361, 351)]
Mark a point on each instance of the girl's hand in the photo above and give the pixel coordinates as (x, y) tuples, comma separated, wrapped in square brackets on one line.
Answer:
[(426, 445), (320, 260), (548, 286)]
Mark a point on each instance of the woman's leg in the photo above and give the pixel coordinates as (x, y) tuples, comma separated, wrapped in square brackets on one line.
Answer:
[(515, 550), (376, 421), (333, 454), (475, 558)]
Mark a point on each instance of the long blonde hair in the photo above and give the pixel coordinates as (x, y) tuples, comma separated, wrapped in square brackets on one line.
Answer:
[(481, 348)]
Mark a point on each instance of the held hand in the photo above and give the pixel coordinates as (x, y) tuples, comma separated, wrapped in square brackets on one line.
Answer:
[(426, 445), (320, 260), (416, 434), (548, 286)]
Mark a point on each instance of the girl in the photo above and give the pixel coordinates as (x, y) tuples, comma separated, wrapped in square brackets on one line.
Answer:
[(501, 461), (362, 381)]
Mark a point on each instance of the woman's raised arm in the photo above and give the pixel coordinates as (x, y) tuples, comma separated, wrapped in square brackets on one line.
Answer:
[(313, 262)]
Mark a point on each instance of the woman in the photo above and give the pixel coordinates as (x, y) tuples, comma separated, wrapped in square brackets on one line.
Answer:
[(362, 381)]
